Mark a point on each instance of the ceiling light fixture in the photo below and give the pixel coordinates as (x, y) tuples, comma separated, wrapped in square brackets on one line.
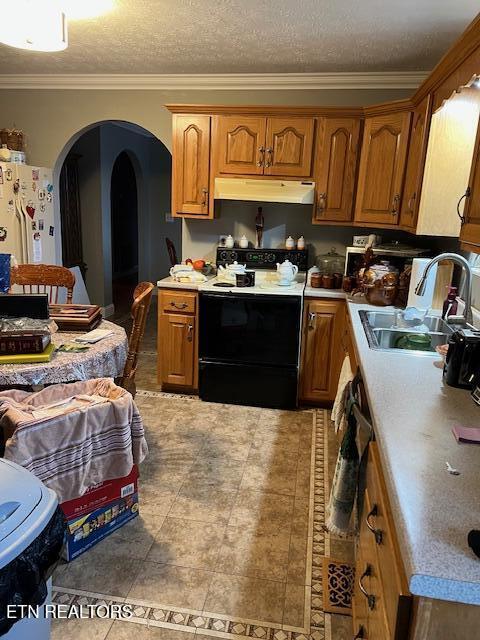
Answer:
[(36, 25), (84, 9)]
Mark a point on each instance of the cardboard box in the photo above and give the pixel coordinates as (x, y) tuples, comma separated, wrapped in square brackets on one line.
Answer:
[(85, 531), (101, 495)]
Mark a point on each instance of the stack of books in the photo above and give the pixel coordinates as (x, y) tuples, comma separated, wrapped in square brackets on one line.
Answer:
[(76, 317), (24, 347)]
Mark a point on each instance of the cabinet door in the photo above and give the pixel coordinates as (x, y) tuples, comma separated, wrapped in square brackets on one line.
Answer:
[(191, 165), (289, 145), (241, 144), (176, 349), (336, 159), (323, 354), (417, 150), (470, 231), (382, 168)]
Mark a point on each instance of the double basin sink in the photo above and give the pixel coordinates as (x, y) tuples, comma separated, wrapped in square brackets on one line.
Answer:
[(383, 334)]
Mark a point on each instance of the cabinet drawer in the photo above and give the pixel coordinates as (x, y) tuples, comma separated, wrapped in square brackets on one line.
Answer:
[(377, 513), (181, 302)]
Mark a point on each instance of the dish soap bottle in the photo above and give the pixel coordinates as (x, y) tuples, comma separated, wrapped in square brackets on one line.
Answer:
[(450, 304)]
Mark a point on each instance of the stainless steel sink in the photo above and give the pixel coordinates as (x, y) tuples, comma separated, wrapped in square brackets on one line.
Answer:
[(383, 335)]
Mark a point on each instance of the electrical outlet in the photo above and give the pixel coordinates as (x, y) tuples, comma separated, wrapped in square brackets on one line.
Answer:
[(169, 217)]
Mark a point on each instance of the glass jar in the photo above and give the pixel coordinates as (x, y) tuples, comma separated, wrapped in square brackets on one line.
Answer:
[(331, 262)]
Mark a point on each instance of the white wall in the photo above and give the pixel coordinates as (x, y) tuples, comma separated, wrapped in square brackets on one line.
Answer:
[(100, 148)]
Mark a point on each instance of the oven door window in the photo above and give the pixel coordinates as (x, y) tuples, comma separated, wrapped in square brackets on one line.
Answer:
[(258, 329)]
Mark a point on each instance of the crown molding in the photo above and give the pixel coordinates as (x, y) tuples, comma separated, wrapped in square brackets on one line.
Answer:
[(217, 82)]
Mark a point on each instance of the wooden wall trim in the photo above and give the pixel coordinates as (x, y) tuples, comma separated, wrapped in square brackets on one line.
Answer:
[(265, 110), (466, 44)]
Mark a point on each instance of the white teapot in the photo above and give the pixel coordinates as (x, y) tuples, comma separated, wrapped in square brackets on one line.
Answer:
[(286, 272), (230, 271)]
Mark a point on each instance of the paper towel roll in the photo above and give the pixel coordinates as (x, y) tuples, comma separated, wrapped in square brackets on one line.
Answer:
[(425, 301)]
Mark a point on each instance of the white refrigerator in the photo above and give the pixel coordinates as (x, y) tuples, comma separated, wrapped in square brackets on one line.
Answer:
[(27, 229)]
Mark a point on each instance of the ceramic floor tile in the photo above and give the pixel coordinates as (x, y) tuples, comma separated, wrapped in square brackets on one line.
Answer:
[(82, 629), (277, 477), (168, 585), (129, 630), (226, 445), (246, 598), (98, 573), (206, 504), (187, 543), (157, 500), (294, 606), (222, 473), (262, 512), (134, 539), (245, 553)]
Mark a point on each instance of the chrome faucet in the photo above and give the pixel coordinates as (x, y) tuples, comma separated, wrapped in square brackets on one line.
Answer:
[(467, 289)]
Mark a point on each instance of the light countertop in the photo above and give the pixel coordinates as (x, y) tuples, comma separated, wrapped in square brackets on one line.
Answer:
[(170, 283), (413, 413), (311, 292)]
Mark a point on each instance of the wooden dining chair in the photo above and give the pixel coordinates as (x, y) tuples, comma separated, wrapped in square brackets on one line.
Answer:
[(172, 254), (142, 296), (44, 278)]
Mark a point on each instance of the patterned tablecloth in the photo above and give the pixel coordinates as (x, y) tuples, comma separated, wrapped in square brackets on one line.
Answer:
[(105, 359)]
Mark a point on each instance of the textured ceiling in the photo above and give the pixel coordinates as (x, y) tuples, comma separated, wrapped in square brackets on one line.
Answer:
[(255, 36)]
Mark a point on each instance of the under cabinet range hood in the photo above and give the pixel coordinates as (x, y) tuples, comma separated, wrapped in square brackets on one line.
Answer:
[(293, 191)]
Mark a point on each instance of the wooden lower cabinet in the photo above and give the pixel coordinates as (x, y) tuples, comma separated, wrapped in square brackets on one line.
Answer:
[(323, 349), (382, 602), (177, 339)]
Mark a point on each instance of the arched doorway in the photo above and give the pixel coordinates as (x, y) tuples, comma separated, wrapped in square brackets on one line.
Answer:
[(95, 150), (124, 225)]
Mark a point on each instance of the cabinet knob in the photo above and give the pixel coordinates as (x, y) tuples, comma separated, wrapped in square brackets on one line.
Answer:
[(378, 533), (411, 201), (269, 160), (395, 203), (261, 156), (322, 202), (205, 197), (465, 195), (311, 320), (190, 332), (176, 305), (360, 635), (371, 599)]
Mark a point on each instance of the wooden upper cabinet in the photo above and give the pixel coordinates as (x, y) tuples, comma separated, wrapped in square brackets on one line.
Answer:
[(241, 144), (470, 231), (382, 168), (335, 166), (415, 164), (289, 146), (191, 165)]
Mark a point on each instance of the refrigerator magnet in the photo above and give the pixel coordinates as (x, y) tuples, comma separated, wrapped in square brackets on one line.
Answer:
[(8, 175), (41, 194), (34, 225), (35, 174), (3, 233), (49, 197), (41, 224), (43, 208), (30, 209), (51, 231), (16, 186), (50, 187), (34, 186), (1, 175)]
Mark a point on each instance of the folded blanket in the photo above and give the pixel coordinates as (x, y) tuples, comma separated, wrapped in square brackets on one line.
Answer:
[(73, 436)]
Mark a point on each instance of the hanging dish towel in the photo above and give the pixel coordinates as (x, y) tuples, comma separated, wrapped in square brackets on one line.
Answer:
[(338, 411), (346, 478)]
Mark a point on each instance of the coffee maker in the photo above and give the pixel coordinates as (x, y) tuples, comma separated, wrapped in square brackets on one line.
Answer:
[(462, 363)]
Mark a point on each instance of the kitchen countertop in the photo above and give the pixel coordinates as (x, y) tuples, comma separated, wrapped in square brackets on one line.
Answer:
[(170, 283), (413, 413), (311, 292)]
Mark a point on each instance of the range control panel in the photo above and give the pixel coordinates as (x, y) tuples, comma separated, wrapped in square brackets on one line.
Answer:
[(262, 258)]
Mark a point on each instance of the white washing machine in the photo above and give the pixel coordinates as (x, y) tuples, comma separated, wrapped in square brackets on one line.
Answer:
[(26, 507)]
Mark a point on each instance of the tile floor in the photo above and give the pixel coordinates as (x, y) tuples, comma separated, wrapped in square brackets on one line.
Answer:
[(228, 523)]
